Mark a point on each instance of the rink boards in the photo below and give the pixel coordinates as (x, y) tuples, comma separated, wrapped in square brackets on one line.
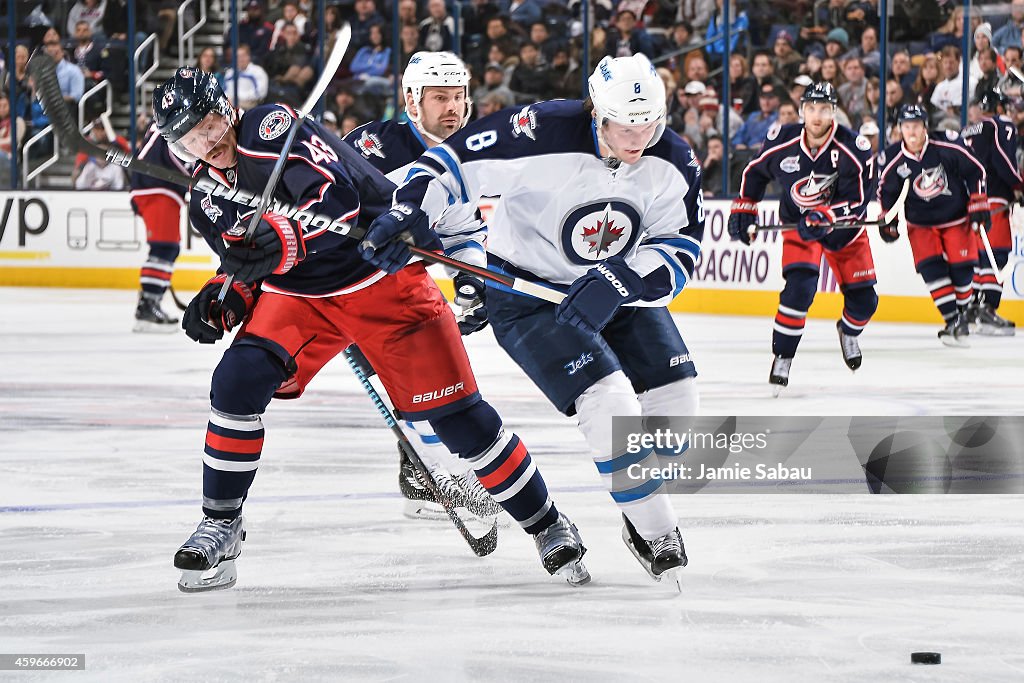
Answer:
[(93, 239)]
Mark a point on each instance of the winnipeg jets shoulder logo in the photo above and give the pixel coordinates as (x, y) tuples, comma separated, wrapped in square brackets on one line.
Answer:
[(524, 123), (211, 210), (790, 164), (599, 230), (815, 189), (369, 145), (931, 183), (274, 125)]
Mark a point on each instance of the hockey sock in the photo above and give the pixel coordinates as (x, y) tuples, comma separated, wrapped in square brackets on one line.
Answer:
[(859, 304), (936, 276), (962, 277), (794, 300), (985, 279), (155, 275)]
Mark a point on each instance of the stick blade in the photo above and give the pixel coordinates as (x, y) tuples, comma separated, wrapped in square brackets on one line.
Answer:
[(43, 71)]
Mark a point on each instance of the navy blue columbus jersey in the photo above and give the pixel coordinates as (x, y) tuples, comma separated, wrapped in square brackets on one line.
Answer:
[(322, 175), (993, 141), (391, 147), (942, 178), (155, 151)]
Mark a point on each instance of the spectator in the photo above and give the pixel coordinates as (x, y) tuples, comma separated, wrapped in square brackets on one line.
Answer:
[(372, 64), (331, 122), (541, 36), (89, 11), (869, 129), (872, 98), (98, 135), (5, 138), (625, 39), (812, 66), (680, 39), (788, 113), (1008, 84), (529, 80), (752, 133), (1009, 34), (895, 97), (948, 96), (837, 42), (742, 85), (290, 14), (255, 31), (858, 15), (525, 12), (349, 122), (901, 69), (982, 42), (682, 108), (163, 17), (696, 14), (407, 13), (492, 102), (989, 73), (22, 88), (764, 74), (252, 81), (697, 70), (493, 82), (289, 67), (207, 61), (365, 16), (867, 51), (565, 76), (99, 174), (799, 85), (72, 82), (830, 72), (437, 31), (88, 54), (787, 61), (949, 33), (716, 33), (926, 81), (409, 36), (851, 93), (711, 167)]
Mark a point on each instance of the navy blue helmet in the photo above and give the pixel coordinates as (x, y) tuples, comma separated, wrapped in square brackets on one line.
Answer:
[(822, 91)]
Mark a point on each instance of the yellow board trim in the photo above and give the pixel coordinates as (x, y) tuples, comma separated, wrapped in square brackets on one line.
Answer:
[(24, 255)]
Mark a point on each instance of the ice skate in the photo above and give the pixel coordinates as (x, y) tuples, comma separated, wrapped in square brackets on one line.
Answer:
[(477, 500), (561, 551), (149, 317), (850, 348), (663, 557), (420, 501), (990, 324), (779, 376), (207, 559), (955, 332), (971, 313)]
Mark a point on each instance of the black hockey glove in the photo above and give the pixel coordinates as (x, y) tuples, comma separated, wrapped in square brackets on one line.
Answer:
[(978, 213), (594, 298), (277, 246), (204, 328), (386, 244), (471, 297), (889, 232), (742, 217)]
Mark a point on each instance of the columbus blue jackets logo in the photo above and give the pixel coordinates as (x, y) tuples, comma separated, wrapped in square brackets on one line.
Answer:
[(369, 145), (931, 183), (274, 125), (599, 230), (814, 190), (524, 123)]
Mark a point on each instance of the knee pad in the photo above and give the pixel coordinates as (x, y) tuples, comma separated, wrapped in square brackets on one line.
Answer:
[(165, 251), (933, 269), (469, 432), (962, 274), (245, 380), (611, 395), (798, 293), (678, 398), (860, 302)]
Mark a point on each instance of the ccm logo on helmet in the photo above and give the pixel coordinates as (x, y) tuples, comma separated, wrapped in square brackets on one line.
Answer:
[(610, 277), (439, 393)]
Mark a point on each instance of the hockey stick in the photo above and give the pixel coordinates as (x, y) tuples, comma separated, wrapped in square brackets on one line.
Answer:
[(892, 214), (326, 76), (991, 256), (486, 544)]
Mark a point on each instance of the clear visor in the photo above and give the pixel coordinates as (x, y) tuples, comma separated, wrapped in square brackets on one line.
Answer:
[(205, 135), (620, 136)]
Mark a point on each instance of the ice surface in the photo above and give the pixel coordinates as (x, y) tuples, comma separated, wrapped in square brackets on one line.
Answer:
[(101, 433)]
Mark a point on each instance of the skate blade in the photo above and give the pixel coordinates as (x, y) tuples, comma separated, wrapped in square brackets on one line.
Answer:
[(672, 577), (777, 390), (421, 509), (147, 327), (220, 577), (955, 343), (575, 574)]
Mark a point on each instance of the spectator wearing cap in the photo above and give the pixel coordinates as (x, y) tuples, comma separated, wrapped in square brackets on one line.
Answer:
[(799, 85), (625, 39), (255, 31), (331, 122), (753, 131), (764, 74), (983, 42), (786, 60), (682, 109), (252, 80), (867, 51), (1009, 34), (869, 129), (837, 42), (437, 31), (494, 82)]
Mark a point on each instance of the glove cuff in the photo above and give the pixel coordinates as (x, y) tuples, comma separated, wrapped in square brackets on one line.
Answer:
[(978, 202), (744, 205), (293, 243)]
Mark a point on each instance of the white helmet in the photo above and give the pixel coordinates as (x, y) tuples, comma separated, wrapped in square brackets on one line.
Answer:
[(435, 69), (629, 91)]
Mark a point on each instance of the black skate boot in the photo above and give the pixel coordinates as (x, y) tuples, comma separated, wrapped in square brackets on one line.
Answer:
[(561, 551), (850, 348), (972, 311), (149, 317), (779, 376), (664, 556), (207, 559), (955, 332), (420, 502), (990, 324)]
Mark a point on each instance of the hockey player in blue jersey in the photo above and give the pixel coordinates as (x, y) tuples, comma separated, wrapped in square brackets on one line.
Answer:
[(436, 88), (600, 202), (827, 169), (301, 295), (946, 205)]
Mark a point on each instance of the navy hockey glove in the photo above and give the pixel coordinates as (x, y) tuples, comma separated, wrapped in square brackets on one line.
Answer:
[(277, 246), (816, 223), (471, 297), (889, 232), (978, 213), (594, 298), (197, 321), (742, 217), (386, 244)]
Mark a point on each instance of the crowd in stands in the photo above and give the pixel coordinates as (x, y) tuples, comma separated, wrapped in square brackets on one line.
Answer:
[(520, 51)]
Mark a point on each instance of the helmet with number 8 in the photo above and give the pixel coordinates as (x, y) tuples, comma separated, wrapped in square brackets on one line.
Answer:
[(435, 69), (628, 91)]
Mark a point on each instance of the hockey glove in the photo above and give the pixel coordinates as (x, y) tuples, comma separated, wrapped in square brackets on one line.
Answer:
[(978, 214), (595, 297), (742, 217), (197, 322), (816, 223), (277, 246), (471, 297), (889, 232), (386, 244)]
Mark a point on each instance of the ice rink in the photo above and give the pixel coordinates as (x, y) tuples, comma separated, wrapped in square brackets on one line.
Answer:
[(101, 434)]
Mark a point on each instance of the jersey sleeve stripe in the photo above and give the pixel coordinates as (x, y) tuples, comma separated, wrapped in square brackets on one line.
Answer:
[(449, 160)]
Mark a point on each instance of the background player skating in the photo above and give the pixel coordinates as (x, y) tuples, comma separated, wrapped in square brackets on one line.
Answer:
[(436, 87), (317, 297), (827, 169), (946, 202), (598, 201)]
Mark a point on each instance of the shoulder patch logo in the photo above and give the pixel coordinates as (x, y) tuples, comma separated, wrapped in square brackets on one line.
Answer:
[(274, 125), (863, 144), (211, 210), (774, 131), (369, 145), (903, 171), (790, 164), (952, 135), (524, 123)]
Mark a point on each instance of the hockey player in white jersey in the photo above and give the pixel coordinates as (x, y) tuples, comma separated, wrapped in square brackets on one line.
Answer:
[(436, 88), (601, 202)]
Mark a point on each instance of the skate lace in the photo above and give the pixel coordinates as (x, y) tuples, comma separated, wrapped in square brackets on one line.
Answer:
[(669, 543), (447, 486), (213, 537), (554, 537), (477, 498), (781, 366)]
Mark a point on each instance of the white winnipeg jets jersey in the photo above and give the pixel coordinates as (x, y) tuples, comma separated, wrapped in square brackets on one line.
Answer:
[(563, 209)]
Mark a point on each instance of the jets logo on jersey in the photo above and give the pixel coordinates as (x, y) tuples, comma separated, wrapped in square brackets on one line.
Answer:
[(524, 123), (369, 145), (931, 183), (599, 230), (211, 210), (814, 190), (274, 125)]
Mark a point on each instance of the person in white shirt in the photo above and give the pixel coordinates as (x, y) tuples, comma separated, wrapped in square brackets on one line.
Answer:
[(252, 81)]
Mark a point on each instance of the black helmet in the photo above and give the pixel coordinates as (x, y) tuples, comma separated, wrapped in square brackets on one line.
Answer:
[(822, 91), (912, 112), (184, 100), (990, 99)]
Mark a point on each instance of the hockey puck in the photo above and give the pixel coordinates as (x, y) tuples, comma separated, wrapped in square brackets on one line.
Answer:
[(925, 658)]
